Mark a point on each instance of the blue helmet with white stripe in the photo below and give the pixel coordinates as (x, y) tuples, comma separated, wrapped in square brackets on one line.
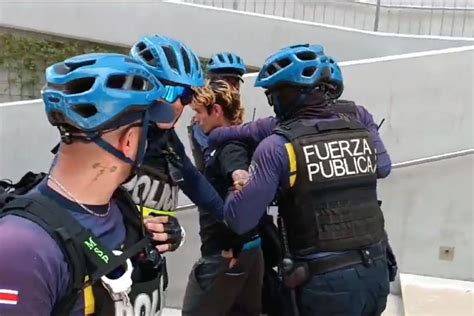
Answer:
[(169, 60)]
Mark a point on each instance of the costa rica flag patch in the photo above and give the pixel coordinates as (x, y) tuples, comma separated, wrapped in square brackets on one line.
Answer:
[(9, 297)]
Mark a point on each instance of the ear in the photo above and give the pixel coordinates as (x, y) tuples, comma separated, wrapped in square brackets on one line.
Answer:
[(217, 110), (128, 140)]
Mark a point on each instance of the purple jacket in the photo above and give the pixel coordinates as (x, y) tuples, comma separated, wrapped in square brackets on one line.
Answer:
[(33, 265), (270, 170)]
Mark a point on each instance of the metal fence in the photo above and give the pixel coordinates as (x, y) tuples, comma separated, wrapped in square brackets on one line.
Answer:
[(423, 17)]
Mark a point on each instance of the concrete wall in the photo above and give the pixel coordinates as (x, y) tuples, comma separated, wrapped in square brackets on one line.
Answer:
[(426, 207), (205, 29)]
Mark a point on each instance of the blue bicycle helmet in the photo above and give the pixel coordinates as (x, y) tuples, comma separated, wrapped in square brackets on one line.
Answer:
[(169, 60), (336, 82), (94, 92), (226, 63), (300, 65)]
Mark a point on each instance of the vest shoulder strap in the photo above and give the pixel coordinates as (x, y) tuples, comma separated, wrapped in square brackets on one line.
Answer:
[(84, 252), (51, 218), (296, 129), (346, 107)]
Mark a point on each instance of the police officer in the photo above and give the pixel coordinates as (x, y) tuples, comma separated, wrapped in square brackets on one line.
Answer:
[(321, 164), (74, 245), (226, 66), (167, 168), (222, 66)]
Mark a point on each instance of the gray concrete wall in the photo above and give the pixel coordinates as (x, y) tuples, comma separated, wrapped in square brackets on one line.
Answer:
[(207, 30), (426, 206)]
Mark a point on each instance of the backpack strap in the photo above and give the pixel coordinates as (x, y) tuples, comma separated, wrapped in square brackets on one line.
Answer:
[(86, 255), (8, 189), (48, 215)]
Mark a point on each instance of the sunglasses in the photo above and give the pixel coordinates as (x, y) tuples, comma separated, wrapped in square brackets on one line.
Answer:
[(173, 93)]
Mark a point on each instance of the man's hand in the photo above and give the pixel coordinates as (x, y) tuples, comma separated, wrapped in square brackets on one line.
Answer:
[(240, 177), (229, 254), (166, 231)]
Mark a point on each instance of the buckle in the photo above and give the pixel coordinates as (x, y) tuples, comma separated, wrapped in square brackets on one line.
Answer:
[(366, 257)]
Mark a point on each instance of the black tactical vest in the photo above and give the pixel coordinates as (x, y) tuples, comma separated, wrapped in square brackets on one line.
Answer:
[(149, 284), (154, 187), (333, 205)]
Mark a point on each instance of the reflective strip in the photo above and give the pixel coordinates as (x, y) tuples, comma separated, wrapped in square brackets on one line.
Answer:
[(292, 157), (149, 211), (89, 300)]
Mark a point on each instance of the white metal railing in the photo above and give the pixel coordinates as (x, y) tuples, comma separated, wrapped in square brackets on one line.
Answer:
[(396, 165)]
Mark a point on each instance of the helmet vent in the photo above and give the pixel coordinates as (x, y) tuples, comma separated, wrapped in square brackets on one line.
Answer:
[(221, 58), (186, 61), (326, 73), (148, 57), (61, 69), (85, 110), (141, 46), (130, 83), (171, 58), (74, 86), (73, 65), (53, 99), (305, 56), (309, 71), (231, 59), (283, 63), (271, 70)]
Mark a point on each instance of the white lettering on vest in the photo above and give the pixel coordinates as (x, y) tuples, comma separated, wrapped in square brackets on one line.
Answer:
[(142, 306), (356, 152), (313, 168), (307, 154), (333, 148), (149, 187), (339, 158)]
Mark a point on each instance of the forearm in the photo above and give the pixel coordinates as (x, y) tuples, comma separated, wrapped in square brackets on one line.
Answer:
[(199, 190)]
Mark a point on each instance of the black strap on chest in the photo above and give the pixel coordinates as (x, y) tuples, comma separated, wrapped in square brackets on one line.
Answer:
[(84, 252)]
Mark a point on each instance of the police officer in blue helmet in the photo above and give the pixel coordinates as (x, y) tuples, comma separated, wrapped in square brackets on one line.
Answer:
[(75, 243), (228, 67), (321, 164), (167, 168)]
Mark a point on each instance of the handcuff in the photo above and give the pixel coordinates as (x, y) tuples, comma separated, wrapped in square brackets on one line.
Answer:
[(119, 286)]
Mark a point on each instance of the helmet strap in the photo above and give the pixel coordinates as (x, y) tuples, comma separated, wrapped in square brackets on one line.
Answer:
[(115, 152)]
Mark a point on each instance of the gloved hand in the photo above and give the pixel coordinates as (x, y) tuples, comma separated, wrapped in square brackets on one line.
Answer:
[(166, 231)]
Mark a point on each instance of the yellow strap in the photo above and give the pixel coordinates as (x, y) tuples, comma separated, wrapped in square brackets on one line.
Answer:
[(292, 158), (149, 211), (89, 300)]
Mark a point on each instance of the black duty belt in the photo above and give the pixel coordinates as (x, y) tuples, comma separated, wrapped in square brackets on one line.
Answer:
[(349, 258)]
